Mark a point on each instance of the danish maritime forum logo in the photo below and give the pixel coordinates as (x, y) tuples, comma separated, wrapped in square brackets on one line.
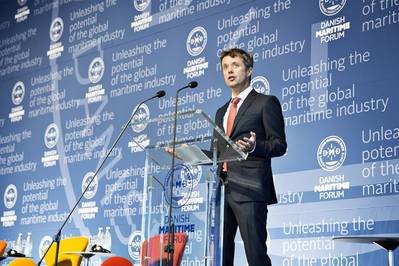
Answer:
[(18, 93), (95, 73), (10, 196), (89, 209), (51, 136), (331, 7), (134, 246), (141, 5), (186, 179), (22, 12), (196, 41), (10, 199), (56, 30), (331, 153), (332, 29), (17, 96), (96, 70), (22, 2), (44, 244), (195, 45), (261, 85), (141, 118), (92, 190), (143, 20)]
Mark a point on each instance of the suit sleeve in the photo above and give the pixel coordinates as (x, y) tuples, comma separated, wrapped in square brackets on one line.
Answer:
[(274, 144)]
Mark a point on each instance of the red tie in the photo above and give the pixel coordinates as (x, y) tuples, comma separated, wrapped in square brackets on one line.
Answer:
[(230, 121)]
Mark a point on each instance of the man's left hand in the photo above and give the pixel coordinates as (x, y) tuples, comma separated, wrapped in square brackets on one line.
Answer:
[(247, 144)]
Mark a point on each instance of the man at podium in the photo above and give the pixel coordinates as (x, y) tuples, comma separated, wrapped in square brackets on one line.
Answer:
[(255, 123)]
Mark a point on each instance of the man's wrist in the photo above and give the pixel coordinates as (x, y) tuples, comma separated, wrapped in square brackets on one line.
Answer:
[(253, 148)]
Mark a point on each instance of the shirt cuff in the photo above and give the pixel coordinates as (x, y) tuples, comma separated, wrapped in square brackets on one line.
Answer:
[(253, 149)]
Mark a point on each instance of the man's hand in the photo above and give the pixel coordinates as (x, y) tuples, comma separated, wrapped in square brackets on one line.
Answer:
[(170, 151), (247, 144)]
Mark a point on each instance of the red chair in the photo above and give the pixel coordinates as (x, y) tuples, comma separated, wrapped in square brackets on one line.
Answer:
[(152, 257), (116, 261), (3, 245)]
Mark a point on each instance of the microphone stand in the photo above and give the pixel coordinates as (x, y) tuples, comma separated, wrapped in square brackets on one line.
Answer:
[(57, 237), (170, 248)]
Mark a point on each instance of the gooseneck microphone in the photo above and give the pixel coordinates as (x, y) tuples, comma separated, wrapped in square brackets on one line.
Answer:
[(160, 94), (57, 237), (191, 84), (171, 227)]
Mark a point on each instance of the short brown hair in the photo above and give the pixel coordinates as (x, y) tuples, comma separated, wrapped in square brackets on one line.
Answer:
[(244, 55)]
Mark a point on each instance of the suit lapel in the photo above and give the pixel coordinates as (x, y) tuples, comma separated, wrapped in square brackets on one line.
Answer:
[(245, 105)]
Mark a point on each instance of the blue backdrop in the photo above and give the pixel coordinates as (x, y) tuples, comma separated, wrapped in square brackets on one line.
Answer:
[(72, 72)]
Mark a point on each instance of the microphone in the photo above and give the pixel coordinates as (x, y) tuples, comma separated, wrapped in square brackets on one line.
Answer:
[(171, 242), (57, 237), (160, 93), (191, 84)]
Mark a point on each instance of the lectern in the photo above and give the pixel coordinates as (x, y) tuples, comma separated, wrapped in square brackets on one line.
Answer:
[(197, 195)]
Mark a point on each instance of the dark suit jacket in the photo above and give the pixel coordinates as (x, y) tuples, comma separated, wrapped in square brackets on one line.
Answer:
[(252, 179)]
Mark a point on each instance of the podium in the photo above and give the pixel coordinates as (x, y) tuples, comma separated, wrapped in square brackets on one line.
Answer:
[(198, 196)]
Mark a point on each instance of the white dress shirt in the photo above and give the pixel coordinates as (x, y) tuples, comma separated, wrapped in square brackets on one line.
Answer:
[(243, 95)]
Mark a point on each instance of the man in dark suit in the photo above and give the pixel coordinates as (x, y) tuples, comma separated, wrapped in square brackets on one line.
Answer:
[(255, 123)]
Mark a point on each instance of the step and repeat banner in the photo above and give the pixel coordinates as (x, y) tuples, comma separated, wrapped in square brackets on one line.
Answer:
[(72, 72)]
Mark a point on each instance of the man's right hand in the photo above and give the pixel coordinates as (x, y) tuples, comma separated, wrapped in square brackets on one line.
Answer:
[(170, 151)]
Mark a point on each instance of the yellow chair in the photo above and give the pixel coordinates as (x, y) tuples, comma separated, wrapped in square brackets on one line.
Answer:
[(22, 262), (73, 244)]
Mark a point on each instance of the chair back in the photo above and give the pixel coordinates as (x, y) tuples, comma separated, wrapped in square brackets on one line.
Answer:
[(116, 261), (155, 247), (22, 262), (3, 245), (72, 244)]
